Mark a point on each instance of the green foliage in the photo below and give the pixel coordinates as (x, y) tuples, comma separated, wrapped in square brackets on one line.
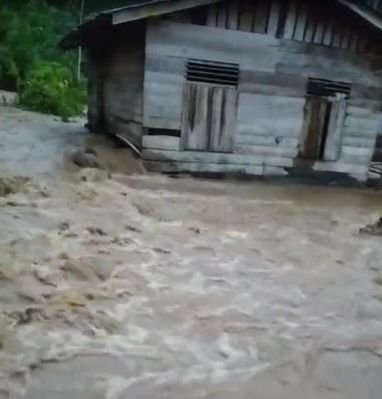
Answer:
[(49, 88), (30, 61)]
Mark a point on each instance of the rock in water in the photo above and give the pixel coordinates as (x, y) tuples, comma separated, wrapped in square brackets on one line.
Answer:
[(86, 159), (373, 229)]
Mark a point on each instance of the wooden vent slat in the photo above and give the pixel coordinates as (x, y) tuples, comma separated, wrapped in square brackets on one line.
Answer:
[(328, 88), (212, 70), (199, 71)]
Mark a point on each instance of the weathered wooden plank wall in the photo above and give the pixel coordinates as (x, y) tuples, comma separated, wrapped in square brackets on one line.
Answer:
[(245, 15), (268, 66), (94, 92), (272, 88), (123, 83), (326, 23), (163, 88)]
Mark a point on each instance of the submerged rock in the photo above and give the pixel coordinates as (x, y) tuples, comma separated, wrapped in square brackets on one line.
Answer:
[(87, 158)]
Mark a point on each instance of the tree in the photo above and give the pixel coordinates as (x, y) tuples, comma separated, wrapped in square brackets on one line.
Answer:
[(30, 61)]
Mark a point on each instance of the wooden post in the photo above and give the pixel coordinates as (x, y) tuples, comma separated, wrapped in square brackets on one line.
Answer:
[(79, 60)]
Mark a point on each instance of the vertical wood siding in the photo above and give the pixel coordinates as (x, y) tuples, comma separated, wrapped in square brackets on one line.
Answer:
[(209, 118), (324, 22), (123, 84), (255, 16)]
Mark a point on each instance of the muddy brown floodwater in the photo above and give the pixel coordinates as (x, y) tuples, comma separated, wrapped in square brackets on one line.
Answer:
[(141, 286)]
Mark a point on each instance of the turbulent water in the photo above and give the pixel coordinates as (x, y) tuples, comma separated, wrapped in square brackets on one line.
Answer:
[(139, 286)]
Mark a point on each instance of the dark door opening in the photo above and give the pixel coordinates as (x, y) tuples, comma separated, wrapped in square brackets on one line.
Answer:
[(324, 117)]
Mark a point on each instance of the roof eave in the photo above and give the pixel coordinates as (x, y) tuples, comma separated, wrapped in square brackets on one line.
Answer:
[(77, 36), (155, 8), (364, 12), (151, 8), (135, 12)]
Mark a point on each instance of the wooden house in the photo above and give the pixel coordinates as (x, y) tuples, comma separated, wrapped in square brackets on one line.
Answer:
[(259, 87)]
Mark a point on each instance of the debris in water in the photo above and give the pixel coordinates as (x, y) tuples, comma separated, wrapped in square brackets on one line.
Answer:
[(143, 209), (162, 251), (96, 231), (133, 229), (92, 175), (86, 193), (378, 280), (4, 327), (64, 226), (12, 185), (373, 229), (12, 204), (80, 270)]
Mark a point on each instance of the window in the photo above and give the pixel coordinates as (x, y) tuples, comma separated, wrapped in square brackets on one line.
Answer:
[(217, 73), (324, 117)]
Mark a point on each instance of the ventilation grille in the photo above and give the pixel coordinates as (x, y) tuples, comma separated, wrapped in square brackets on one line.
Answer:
[(328, 88), (219, 73)]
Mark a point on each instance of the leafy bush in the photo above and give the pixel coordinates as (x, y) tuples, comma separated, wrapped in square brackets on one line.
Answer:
[(49, 87), (30, 61)]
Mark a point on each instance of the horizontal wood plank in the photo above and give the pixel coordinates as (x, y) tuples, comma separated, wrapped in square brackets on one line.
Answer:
[(267, 140), (161, 142), (208, 157), (266, 150), (192, 167), (272, 116), (363, 142)]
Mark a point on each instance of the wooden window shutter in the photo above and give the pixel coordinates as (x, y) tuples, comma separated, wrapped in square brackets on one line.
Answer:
[(209, 118), (324, 119)]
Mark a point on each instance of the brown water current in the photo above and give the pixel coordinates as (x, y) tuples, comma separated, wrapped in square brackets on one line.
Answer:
[(141, 286)]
